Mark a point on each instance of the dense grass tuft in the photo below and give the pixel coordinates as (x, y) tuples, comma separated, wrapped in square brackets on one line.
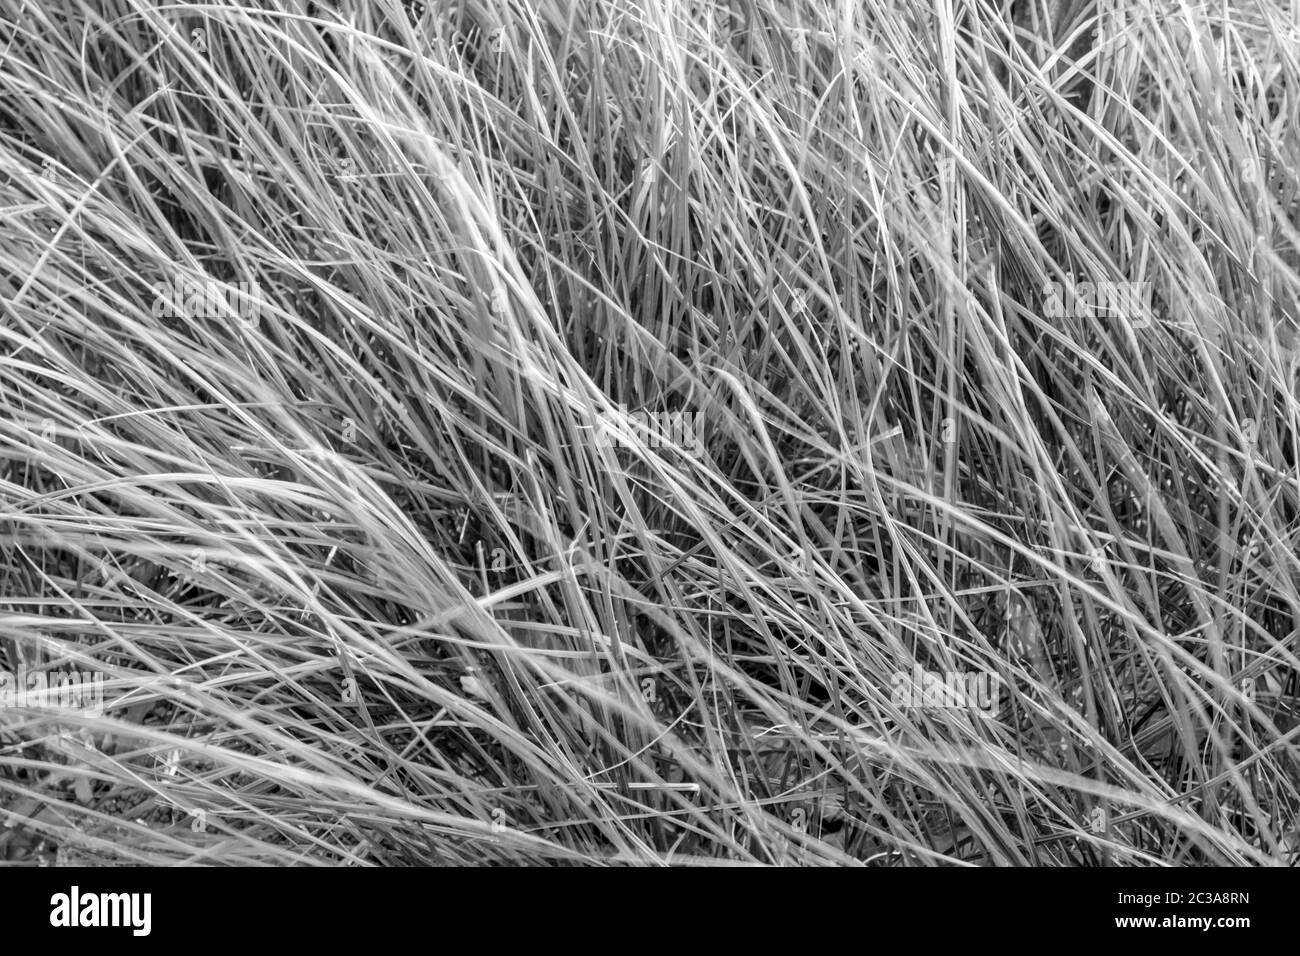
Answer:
[(589, 408)]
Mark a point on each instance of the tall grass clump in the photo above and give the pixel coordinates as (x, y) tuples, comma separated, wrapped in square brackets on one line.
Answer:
[(553, 432)]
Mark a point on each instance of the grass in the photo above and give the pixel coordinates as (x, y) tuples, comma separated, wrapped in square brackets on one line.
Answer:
[(385, 547)]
